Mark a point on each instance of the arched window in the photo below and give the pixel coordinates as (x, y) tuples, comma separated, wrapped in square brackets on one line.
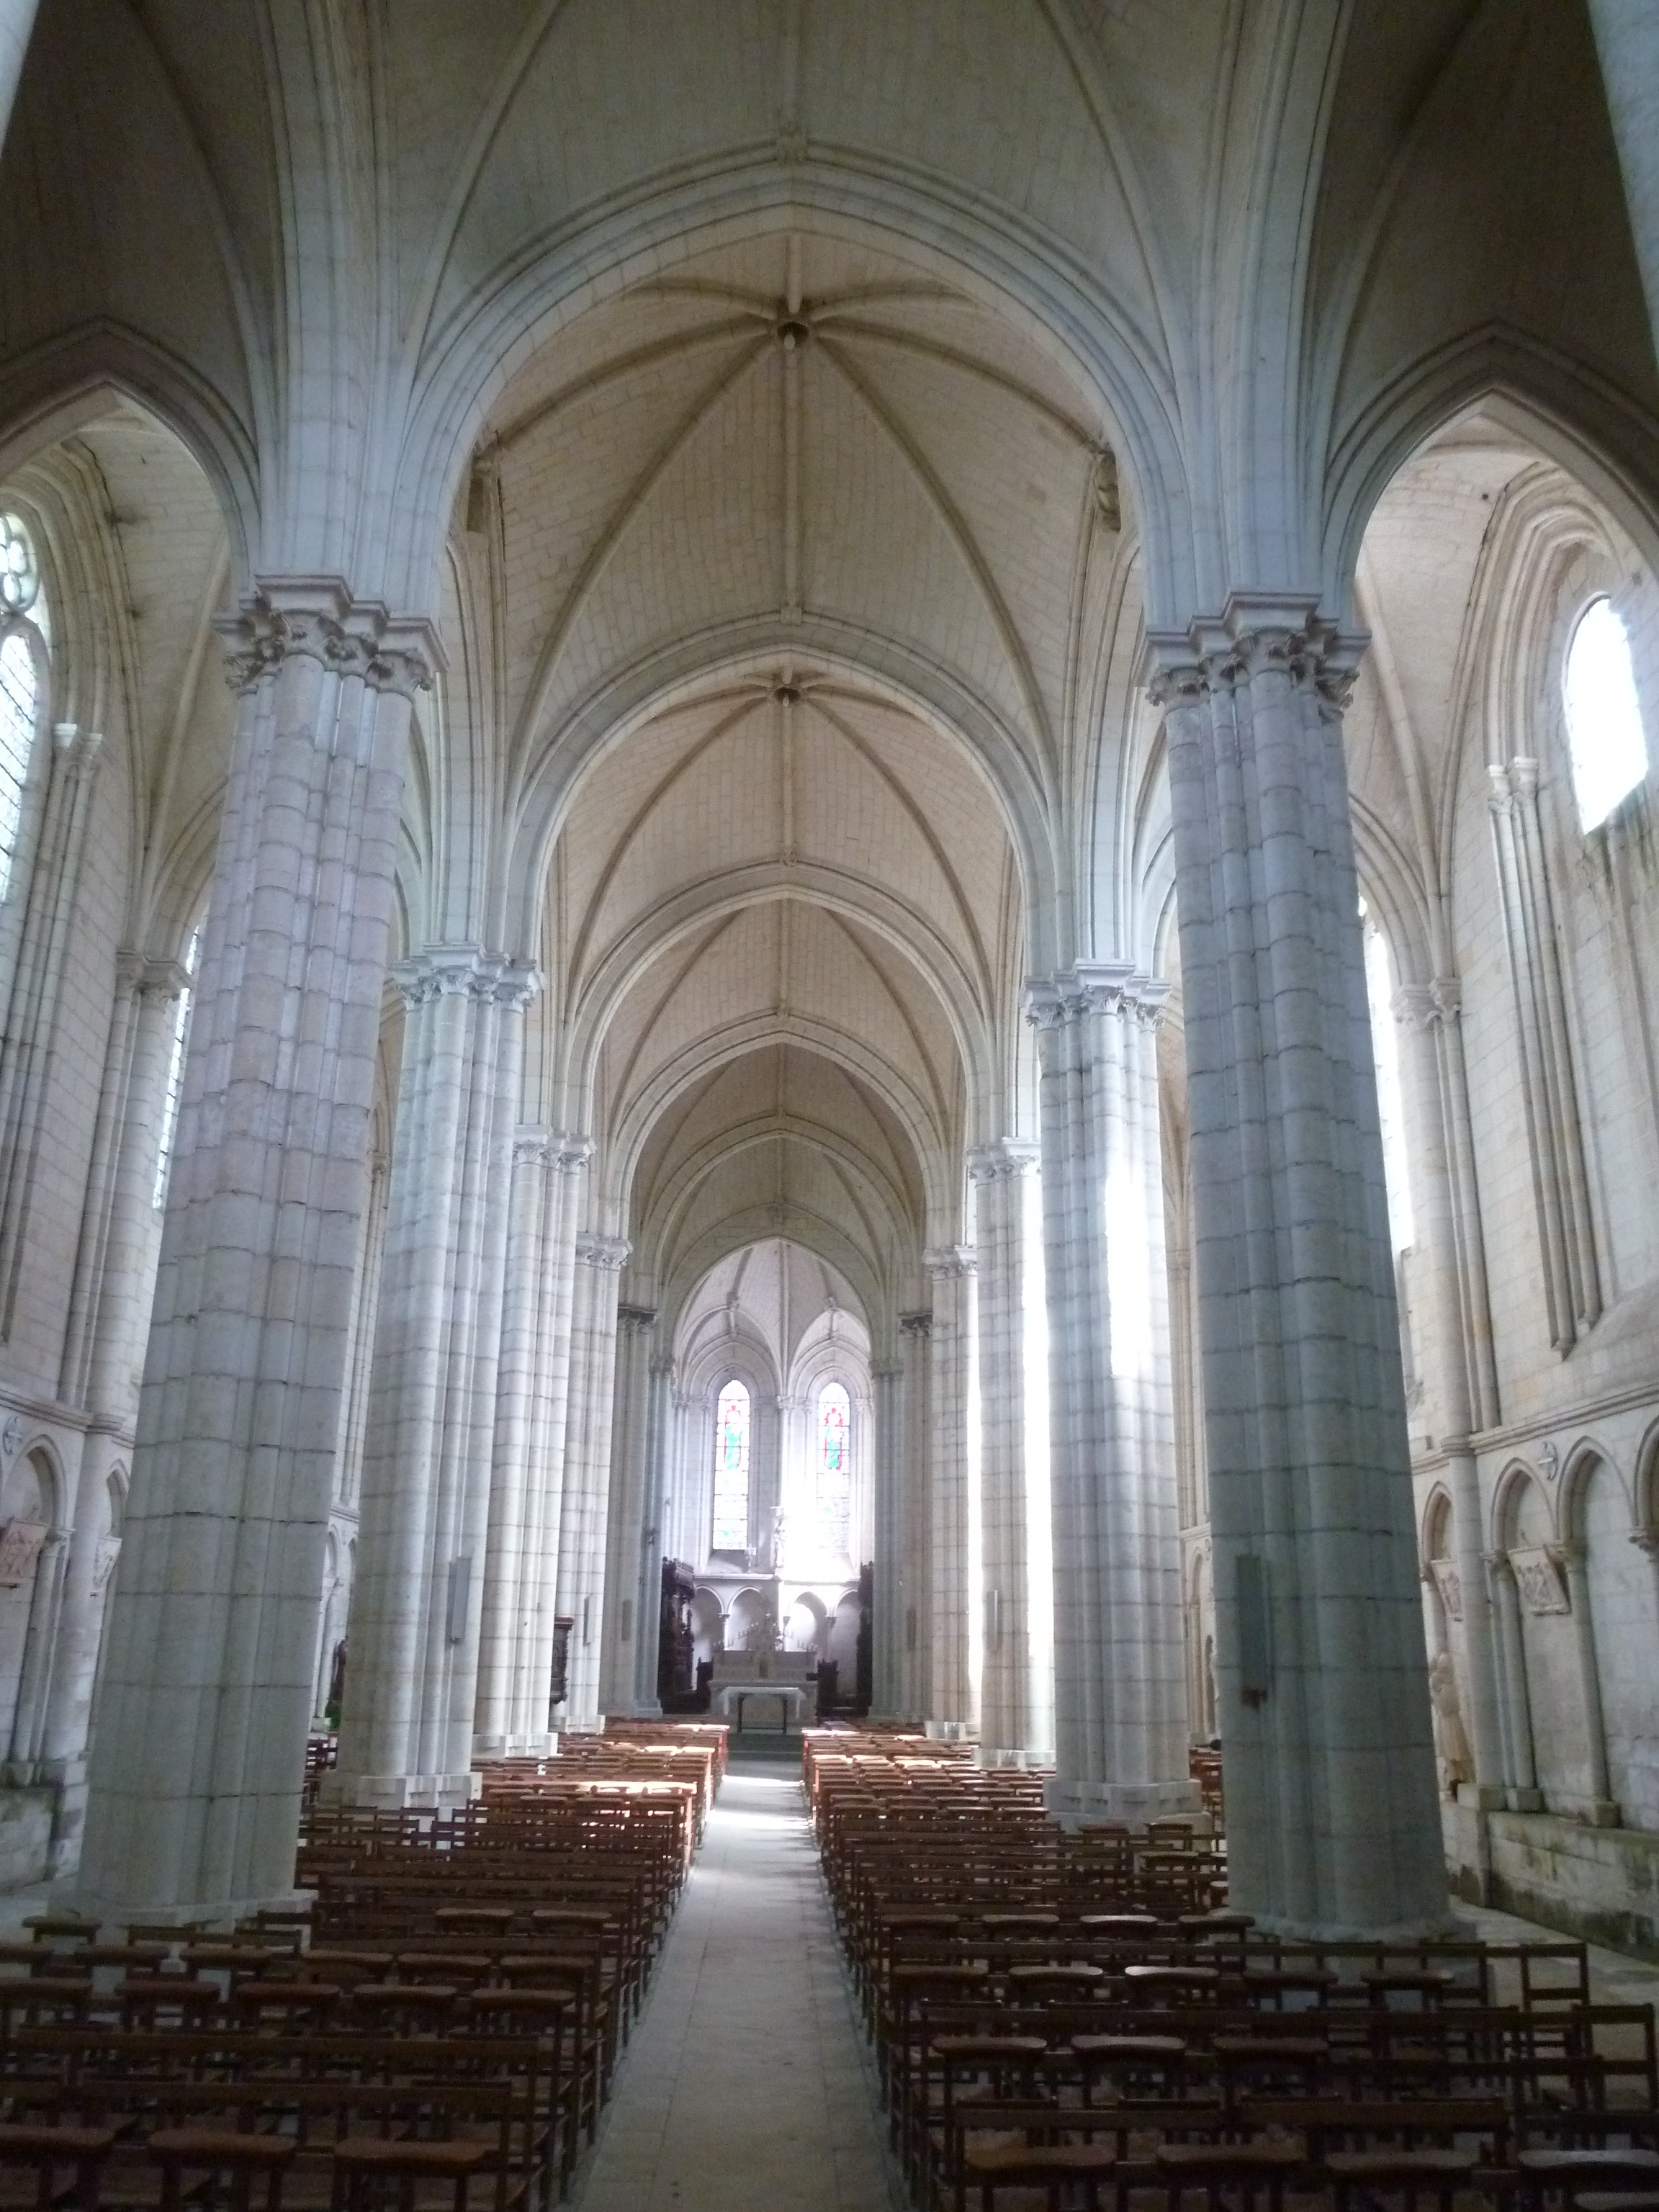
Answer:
[(835, 1470), (730, 1532), (176, 1073), (1390, 1101), (1604, 736), (26, 635)]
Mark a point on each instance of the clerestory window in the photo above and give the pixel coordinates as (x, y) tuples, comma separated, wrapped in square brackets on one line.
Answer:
[(1605, 737), (176, 1073), (25, 637)]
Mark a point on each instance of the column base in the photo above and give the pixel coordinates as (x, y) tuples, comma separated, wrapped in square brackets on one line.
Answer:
[(1078, 1804), (216, 1912), (1482, 1796), (544, 1746), (1019, 1758), (951, 1731), (392, 1793)]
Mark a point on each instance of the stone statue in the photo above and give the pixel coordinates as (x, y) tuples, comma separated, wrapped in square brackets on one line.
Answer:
[(1456, 1760)]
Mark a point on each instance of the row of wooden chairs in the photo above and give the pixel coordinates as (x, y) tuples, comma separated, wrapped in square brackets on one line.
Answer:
[(439, 2029), (1045, 2032)]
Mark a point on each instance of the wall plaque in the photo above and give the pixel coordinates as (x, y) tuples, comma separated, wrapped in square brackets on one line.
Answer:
[(1539, 1581), (1449, 1584), (20, 1547)]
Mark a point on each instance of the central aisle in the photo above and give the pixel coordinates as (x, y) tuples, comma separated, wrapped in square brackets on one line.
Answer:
[(745, 2083)]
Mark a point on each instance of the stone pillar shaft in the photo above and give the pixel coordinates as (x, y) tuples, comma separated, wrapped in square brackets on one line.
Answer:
[(952, 1494), (406, 1731), (16, 21), (527, 1466), (629, 1475), (1428, 1014), (1016, 1679), (653, 1541), (888, 1559), (1523, 1776), (1332, 1799), (1626, 41), (1120, 1693), (584, 1508), (196, 1773), (108, 1310)]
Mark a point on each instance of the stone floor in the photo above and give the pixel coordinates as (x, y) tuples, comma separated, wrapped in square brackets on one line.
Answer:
[(747, 2083)]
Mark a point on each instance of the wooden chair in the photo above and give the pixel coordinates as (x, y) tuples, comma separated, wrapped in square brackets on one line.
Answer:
[(1242, 2171), (49, 2153), (236, 2159)]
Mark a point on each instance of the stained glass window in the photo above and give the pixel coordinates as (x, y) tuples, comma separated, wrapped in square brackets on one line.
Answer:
[(834, 1471), (19, 683), (175, 1076), (731, 1469), (1604, 716)]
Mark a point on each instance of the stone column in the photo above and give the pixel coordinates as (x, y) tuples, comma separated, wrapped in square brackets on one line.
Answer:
[(888, 1552), (38, 1005), (953, 1497), (547, 1443), (653, 1541), (630, 1474), (506, 1599), (584, 1509), (109, 1308), (915, 1598), (1016, 1682), (206, 1692), (1627, 40), (406, 1731), (1119, 1692), (1460, 1339), (16, 21), (1333, 1812), (1523, 1776), (1574, 1562)]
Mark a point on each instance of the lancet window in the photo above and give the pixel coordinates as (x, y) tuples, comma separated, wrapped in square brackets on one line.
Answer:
[(1605, 735), (25, 636), (731, 1426), (834, 1466), (176, 1073)]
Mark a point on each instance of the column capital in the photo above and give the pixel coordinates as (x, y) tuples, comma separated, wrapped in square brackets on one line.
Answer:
[(318, 617), (1256, 633), (634, 1320), (570, 1149), (944, 1262), (82, 752), (1006, 1156), (1094, 987), (466, 970), (532, 1145), (609, 1253), (918, 1324), (1646, 1540), (151, 979)]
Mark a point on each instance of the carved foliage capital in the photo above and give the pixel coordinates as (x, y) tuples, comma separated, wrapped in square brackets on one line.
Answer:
[(1257, 634), (316, 618), (608, 1254), (949, 1262)]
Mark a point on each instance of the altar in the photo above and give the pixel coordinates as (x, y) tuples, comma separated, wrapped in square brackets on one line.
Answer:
[(742, 1678)]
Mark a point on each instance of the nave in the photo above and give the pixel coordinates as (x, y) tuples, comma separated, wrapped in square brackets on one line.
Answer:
[(827, 847)]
